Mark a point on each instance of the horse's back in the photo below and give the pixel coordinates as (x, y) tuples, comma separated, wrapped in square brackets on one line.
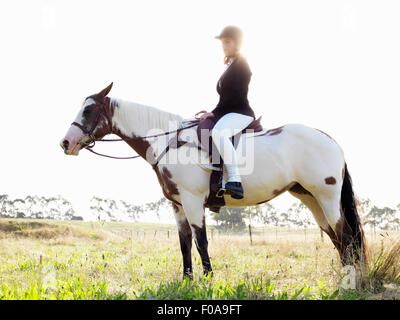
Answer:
[(307, 137), (310, 154), (295, 150)]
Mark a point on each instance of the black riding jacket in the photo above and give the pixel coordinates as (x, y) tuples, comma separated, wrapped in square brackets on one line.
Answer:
[(232, 88)]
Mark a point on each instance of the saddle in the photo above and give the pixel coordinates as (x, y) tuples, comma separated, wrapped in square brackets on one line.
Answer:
[(215, 199), (205, 127)]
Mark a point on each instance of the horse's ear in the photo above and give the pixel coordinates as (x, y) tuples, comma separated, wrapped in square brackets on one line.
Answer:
[(103, 93)]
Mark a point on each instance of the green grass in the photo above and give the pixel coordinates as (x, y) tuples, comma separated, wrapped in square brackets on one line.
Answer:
[(84, 260)]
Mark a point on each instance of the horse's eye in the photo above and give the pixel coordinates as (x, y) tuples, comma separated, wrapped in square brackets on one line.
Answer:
[(86, 112)]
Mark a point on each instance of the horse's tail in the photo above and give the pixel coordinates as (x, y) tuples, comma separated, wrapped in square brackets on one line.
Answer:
[(349, 207)]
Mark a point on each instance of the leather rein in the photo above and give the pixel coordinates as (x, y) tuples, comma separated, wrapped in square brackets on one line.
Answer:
[(103, 111)]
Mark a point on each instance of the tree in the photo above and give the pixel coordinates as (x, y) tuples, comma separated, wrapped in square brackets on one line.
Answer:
[(268, 214), (381, 218), (157, 206), (129, 210), (252, 213), (19, 208), (61, 208), (7, 207), (364, 205), (103, 208), (301, 216), (229, 219)]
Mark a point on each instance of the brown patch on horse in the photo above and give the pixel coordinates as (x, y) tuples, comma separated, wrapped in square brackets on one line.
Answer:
[(168, 186), (343, 171), (298, 188), (105, 124), (277, 192), (171, 186), (175, 207), (202, 246), (274, 132), (330, 180), (185, 240), (97, 117), (141, 146), (333, 237), (344, 239)]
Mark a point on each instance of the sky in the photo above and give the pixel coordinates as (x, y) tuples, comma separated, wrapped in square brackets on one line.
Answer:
[(332, 65)]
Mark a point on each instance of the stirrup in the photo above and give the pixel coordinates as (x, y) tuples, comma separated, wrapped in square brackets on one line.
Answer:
[(218, 189), (220, 193)]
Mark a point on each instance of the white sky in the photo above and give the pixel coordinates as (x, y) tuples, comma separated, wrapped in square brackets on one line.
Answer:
[(333, 65)]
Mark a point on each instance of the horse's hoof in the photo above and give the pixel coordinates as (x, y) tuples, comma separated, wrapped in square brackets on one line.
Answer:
[(187, 276)]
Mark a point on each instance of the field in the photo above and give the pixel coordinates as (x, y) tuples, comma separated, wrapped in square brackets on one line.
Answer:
[(44, 259)]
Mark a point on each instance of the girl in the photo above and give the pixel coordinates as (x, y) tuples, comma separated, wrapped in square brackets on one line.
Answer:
[(233, 112)]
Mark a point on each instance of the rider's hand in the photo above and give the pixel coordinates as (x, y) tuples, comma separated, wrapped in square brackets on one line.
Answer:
[(206, 115)]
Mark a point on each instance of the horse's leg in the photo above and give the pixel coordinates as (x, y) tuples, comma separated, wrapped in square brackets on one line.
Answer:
[(312, 204), (194, 211), (185, 239), (335, 217)]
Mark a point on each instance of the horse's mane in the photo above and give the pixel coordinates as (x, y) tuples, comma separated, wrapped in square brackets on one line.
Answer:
[(141, 118)]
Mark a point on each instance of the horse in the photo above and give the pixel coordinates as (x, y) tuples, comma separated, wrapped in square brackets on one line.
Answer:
[(304, 161)]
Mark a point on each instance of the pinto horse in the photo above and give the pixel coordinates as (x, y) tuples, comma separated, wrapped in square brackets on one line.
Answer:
[(304, 161)]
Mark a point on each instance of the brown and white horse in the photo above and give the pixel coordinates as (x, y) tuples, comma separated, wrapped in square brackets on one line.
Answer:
[(295, 158)]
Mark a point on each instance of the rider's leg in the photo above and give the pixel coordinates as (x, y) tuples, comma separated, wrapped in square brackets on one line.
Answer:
[(226, 127)]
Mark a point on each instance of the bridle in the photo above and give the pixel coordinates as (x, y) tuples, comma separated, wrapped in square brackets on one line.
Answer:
[(103, 111), (89, 133)]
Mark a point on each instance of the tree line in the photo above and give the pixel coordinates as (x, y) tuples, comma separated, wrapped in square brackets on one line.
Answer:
[(298, 216), (59, 208), (232, 219), (37, 207)]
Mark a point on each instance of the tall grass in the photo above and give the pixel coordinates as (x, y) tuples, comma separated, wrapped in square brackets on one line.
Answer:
[(384, 266)]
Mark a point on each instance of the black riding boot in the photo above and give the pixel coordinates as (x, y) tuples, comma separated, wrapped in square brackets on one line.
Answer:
[(235, 189)]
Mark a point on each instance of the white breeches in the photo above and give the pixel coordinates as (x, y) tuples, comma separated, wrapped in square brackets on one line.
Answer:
[(226, 127)]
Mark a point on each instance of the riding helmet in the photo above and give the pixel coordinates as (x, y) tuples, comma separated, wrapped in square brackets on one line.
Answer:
[(232, 32)]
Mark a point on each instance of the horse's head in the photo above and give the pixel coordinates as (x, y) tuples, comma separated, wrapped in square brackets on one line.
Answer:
[(92, 123)]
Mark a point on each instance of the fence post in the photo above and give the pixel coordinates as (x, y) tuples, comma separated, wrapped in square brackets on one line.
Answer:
[(251, 238)]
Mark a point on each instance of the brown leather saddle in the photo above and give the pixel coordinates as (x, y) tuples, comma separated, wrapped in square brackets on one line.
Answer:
[(215, 200)]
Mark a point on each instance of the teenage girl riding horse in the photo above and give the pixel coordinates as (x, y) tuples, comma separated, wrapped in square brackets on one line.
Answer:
[(233, 112)]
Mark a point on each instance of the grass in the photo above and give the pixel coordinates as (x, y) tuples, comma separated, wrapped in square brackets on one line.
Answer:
[(85, 260)]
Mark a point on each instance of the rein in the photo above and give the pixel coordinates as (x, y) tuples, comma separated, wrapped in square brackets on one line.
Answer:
[(92, 143), (89, 146)]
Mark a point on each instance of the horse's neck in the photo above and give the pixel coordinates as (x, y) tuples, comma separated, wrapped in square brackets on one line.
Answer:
[(132, 121), (136, 120)]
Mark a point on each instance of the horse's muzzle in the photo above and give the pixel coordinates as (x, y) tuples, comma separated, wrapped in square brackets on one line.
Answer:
[(65, 145)]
